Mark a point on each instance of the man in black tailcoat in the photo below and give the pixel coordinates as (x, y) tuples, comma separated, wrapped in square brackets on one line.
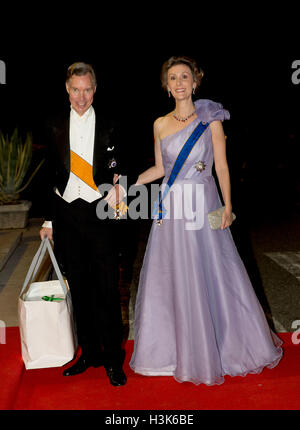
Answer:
[(83, 158)]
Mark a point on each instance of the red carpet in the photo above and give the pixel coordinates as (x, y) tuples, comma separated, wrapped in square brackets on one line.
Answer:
[(47, 389)]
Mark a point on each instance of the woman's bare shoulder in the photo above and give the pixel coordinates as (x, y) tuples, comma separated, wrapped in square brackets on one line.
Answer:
[(161, 122)]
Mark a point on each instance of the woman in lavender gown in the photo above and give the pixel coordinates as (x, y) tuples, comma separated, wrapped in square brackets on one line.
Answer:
[(197, 317)]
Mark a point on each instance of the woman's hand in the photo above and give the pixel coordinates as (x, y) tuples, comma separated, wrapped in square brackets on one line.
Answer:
[(227, 218)]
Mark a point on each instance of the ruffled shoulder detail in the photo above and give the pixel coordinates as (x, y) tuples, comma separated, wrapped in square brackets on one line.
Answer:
[(208, 111)]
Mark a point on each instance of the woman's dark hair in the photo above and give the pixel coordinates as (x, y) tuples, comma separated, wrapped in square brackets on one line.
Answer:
[(174, 61)]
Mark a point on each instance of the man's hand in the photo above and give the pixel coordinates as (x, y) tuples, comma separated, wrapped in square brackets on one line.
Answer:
[(46, 232), (116, 178), (115, 195)]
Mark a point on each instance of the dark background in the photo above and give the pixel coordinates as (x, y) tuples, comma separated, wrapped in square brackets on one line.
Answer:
[(247, 60)]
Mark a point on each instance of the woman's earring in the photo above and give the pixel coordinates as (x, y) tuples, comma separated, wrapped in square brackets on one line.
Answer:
[(169, 92), (194, 90)]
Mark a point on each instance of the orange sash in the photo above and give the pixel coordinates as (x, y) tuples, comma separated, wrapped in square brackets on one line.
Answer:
[(83, 170)]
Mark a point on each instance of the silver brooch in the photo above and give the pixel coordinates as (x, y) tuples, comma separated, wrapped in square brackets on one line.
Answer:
[(110, 149), (200, 166), (112, 163)]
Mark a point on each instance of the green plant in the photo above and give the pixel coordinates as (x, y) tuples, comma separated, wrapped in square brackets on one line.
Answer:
[(15, 160)]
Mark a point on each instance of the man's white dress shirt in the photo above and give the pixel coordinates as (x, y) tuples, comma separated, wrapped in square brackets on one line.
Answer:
[(82, 136)]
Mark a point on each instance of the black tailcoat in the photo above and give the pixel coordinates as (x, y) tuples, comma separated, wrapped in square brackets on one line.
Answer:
[(85, 246)]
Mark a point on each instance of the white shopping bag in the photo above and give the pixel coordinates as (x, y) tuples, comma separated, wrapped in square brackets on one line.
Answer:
[(45, 317)]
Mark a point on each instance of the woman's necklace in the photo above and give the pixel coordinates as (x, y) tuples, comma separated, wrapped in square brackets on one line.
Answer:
[(181, 118)]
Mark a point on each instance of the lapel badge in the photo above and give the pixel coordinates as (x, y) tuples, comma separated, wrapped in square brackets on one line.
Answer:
[(112, 163), (200, 166)]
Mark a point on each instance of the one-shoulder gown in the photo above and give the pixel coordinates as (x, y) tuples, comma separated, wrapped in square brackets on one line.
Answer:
[(197, 317)]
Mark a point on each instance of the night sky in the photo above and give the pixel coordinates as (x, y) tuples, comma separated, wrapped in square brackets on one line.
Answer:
[(247, 67)]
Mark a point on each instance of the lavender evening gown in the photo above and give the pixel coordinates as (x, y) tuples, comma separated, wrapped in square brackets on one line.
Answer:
[(197, 317)]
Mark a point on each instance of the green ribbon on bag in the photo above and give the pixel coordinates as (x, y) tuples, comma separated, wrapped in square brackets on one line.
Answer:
[(52, 298)]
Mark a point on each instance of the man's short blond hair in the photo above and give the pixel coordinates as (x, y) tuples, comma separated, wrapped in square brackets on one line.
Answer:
[(81, 69)]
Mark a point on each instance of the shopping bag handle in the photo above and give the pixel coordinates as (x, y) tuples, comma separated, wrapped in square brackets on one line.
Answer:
[(36, 262)]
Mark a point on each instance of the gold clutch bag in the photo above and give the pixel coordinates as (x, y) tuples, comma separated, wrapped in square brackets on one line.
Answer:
[(215, 218)]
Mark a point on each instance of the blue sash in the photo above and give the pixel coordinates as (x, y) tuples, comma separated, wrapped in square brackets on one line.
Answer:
[(180, 160)]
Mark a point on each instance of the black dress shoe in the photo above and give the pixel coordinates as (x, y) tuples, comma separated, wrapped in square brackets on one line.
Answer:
[(81, 365), (116, 376)]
